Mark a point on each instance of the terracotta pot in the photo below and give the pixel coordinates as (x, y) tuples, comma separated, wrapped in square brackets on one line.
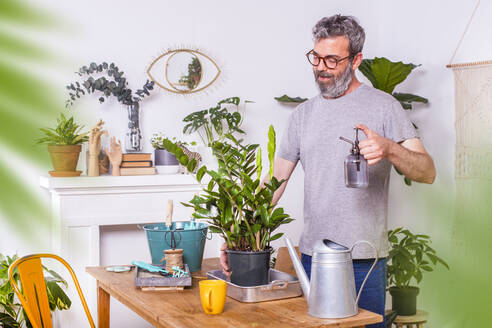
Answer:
[(64, 157)]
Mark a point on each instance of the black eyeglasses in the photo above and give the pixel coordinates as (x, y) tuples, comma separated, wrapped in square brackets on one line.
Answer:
[(330, 61)]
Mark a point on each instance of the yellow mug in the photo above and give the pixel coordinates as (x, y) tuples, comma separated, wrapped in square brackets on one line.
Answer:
[(213, 295)]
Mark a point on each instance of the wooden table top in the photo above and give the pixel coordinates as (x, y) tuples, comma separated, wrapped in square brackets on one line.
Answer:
[(183, 308)]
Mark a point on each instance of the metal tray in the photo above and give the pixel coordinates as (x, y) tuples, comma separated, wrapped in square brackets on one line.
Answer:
[(143, 278), (282, 285)]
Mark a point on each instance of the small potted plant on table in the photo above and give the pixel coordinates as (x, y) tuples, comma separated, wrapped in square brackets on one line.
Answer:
[(409, 257), (64, 145), (238, 206)]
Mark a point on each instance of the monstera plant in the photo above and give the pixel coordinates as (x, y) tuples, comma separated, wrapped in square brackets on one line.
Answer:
[(385, 75), (214, 123)]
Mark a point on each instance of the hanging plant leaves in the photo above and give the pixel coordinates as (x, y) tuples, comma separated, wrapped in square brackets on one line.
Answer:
[(406, 99), (287, 99)]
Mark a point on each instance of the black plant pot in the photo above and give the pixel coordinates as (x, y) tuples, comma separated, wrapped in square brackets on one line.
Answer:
[(163, 157), (249, 268), (404, 300)]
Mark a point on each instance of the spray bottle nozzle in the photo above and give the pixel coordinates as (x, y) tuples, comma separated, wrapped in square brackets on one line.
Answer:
[(347, 140)]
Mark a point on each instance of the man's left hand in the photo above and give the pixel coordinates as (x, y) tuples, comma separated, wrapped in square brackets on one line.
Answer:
[(375, 147)]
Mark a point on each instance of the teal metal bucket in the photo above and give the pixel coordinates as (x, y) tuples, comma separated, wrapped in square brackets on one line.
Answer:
[(188, 235)]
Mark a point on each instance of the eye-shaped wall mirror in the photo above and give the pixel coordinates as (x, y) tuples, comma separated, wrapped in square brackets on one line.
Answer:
[(183, 71)]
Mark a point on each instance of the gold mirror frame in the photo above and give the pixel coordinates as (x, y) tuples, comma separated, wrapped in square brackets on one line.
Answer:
[(172, 53), (167, 65)]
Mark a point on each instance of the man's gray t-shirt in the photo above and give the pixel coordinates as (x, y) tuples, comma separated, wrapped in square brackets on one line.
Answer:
[(331, 210)]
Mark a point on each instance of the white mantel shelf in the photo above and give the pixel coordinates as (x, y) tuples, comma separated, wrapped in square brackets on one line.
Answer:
[(108, 183)]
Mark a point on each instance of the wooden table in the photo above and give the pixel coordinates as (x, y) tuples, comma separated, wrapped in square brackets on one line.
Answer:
[(183, 308)]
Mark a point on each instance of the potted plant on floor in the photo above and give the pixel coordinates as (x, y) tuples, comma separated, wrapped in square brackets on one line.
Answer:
[(64, 145), (239, 207), (409, 257)]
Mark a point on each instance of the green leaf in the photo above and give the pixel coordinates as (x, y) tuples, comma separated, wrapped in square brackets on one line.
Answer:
[(276, 236), (406, 99), (365, 68), (271, 149), (201, 171), (57, 296), (287, 99), (389, 74)]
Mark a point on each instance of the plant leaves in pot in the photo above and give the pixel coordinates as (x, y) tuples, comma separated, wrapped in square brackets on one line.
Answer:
[(409, 257), (238, 206), (164, 161), (64, 145)]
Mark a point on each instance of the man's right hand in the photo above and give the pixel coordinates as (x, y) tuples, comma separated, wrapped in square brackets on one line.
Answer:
[(224, 262)]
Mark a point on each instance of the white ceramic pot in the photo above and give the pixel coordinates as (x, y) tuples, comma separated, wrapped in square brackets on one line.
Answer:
[(167, 169)]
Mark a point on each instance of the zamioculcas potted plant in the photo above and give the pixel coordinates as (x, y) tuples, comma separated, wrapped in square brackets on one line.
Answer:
[(64, 145), (409, 257), (239, 207)]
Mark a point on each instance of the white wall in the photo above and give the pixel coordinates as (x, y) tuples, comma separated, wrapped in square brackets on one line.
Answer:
[(260, 47)]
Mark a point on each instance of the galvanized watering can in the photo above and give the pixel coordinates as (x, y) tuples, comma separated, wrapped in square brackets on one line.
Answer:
[(331, 291)]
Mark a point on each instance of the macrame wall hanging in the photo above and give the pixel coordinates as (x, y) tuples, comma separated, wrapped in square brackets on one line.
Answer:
[(473, 102), (473, 164)]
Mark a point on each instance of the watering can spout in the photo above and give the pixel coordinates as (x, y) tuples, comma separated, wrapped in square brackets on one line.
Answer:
[(301, 274)]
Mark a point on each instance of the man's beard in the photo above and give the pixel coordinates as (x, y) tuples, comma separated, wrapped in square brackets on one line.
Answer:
[(337, 86)]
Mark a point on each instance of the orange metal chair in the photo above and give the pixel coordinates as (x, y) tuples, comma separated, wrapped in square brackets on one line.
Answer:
[(34, 297)]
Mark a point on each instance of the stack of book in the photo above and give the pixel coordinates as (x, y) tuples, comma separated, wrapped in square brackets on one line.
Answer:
[(137, 164)]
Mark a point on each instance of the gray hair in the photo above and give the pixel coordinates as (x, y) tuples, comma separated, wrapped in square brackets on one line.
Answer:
[(338, 25)]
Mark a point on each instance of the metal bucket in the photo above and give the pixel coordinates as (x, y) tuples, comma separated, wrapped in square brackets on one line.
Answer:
[(187, 235)]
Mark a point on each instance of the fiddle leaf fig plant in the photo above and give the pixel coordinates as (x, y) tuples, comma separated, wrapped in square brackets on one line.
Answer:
[(409, 257), (235, 202), (216, 122), (114, 85), (385, 75), (11, 313)]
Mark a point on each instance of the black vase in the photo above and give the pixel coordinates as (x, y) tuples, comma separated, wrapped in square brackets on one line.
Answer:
[(404, 300), (249, 268)]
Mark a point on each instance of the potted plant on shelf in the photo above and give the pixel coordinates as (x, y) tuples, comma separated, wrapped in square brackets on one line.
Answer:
[(409, 257), (11, 314), (117, 86), (238, 206), (165, 161), (64, 145)]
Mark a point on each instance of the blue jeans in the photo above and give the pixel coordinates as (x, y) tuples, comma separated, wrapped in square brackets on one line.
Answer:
[(373, 295)]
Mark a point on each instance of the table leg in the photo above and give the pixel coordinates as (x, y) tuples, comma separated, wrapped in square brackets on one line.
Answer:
[(103, 299)]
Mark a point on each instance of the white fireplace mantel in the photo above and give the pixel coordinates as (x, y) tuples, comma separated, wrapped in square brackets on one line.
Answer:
[(82, 205)]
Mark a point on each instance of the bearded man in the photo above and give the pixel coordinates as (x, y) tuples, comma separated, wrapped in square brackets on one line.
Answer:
[(331, 210)]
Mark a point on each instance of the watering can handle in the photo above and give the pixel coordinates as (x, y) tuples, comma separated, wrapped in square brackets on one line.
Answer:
[(370, 270)]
